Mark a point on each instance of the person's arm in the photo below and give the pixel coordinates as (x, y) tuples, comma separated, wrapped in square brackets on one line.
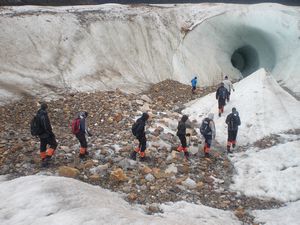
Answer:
[(217, 93), (227, 119), (239, 121), (213, 129), (86, 129)]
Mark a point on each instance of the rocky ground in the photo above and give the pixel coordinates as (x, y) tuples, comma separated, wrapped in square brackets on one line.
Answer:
[(166, 176)]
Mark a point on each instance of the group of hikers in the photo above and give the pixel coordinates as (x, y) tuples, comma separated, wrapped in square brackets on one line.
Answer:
[(41, 127)]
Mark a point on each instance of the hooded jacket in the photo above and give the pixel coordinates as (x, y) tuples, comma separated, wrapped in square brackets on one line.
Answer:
[(181, 128), (233, 121), (141, 125), (43, 115)]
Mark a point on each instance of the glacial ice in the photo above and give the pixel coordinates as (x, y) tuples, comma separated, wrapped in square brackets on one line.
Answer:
[(88, 48)]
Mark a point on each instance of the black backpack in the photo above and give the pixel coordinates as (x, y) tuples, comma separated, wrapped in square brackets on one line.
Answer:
[(223, 93), (134, 128), (205, 128), (36, 127), (233, 123)]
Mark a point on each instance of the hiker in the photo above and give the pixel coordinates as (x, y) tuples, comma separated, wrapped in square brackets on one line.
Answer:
[(80, 135), (208, 130), (232, 121), (228, 85), (138, 130), (181, 133), (46, 136), (194, 84), (221, 96)]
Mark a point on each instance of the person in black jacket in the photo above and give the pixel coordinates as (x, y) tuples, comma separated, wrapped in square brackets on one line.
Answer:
[(81, 134), (141, 136), (181, 133), (232, 121), (47, 137), (221, 96)]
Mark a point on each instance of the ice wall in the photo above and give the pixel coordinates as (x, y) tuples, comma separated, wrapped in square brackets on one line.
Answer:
[(47, 50)]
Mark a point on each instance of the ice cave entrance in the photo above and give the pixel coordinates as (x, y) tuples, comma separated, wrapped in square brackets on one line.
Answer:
[(245, 59)]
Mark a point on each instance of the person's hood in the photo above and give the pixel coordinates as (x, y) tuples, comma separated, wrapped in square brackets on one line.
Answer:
[(145, 116), (184, 118)]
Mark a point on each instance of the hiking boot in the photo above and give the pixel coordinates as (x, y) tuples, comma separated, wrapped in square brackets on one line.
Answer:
[(206, 155), (219, 114), (133, 155), (186, 154), (144, 159), (233, 145), (44, 163), (82, 156), (229, 151)]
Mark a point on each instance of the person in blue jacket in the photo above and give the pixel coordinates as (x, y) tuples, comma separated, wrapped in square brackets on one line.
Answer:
[(194, 85)]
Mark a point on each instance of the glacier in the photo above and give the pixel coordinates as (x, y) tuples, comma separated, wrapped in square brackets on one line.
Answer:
[(46, 51)]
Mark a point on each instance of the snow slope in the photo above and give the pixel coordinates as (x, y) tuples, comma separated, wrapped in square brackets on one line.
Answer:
[(47, 50), (35, 200), (264, 108)]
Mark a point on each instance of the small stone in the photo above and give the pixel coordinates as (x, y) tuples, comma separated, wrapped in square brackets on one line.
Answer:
[(118, 175), (67, 171)]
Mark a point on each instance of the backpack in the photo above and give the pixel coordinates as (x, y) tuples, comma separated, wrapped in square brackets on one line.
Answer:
[(223, 93), (204, 128), (134, 128), (76, 126), (232, 124), (36, 127)]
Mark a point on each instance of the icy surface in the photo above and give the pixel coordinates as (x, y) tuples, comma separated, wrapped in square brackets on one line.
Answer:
[(89, 48), (264, 108), (35, 200), (273, 172)]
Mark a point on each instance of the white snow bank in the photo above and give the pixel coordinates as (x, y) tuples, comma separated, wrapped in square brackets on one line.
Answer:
[(273, 172), (264, 108), (289, 214), (35, 200)]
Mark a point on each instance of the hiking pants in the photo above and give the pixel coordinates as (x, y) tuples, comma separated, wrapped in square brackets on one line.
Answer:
[(221, 104), (142, 143), (182, 139), (81, 137), (231, 137), (44, 152), (207, 143)]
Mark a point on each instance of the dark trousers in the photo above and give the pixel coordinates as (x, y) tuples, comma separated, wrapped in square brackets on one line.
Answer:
[(48, 141), (232, 136), (142, 143), (208, 140), (81, 137), (221, 103), (182, 139)]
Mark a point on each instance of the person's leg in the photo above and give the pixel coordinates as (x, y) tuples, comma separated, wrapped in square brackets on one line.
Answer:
[(220, 107), (52, 146), (43, 148), (208, 141), (229, 140), (234, 134), (83, 144), (143, 143)]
